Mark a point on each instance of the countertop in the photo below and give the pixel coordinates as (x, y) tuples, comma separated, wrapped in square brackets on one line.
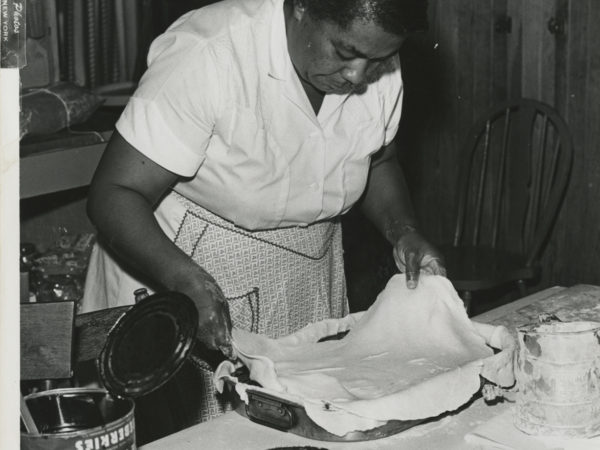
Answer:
[(232, 431)]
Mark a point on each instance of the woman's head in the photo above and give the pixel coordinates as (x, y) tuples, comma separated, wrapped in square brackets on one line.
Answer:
[(394, 16), (340, 46)]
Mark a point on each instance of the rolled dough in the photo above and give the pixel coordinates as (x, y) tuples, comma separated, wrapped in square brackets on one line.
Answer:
[(414, 354)]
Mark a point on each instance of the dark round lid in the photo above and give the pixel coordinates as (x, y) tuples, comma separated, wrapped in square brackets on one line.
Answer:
[(148, 344)]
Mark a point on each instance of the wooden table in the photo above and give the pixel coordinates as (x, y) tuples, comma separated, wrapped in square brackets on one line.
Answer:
[(232, 431)]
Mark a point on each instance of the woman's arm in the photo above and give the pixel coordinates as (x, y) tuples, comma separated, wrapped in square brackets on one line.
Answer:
[(124, 192), (386, 202)]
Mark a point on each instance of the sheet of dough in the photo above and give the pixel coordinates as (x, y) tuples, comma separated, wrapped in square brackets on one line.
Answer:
[(414, 354)]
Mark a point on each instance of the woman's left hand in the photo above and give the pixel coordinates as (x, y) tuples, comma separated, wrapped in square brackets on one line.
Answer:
[(414, 254)]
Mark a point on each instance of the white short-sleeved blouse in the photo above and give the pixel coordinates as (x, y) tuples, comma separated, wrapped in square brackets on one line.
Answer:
[(222, 106)]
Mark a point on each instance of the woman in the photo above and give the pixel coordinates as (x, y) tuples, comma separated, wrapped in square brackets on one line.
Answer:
[(257, 124)]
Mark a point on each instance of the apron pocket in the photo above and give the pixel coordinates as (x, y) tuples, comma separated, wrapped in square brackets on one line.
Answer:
[(245, 310)]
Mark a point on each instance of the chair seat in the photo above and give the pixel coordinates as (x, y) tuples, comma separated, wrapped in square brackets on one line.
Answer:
[(477, 268)]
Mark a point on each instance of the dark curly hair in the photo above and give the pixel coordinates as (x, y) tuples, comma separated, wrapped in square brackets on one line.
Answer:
[(394, 16)]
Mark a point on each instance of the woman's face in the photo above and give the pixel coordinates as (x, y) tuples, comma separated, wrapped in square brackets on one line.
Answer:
[(335, 60)]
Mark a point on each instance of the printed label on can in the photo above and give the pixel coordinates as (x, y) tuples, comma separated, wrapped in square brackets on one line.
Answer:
[(117, 437), (12, 34)]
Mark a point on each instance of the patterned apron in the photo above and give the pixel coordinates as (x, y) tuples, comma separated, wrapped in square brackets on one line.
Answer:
[(276, 281)]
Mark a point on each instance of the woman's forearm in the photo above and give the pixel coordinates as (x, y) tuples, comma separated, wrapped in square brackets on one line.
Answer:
[(128, 227), (386, 201)]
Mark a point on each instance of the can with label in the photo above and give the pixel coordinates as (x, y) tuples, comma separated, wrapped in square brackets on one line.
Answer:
[(143, 350), (80, 419)]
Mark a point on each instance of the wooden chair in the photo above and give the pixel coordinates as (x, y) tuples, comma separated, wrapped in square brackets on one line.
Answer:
[(516, 167)]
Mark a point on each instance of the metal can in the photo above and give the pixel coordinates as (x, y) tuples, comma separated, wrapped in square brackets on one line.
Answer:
[(143, 350), (80, 419), (558, 379)]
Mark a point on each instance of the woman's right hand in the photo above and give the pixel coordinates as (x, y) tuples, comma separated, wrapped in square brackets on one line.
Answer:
[(214, 327)]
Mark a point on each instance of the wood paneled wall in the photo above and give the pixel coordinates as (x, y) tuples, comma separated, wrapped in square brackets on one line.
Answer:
[(479, 52)]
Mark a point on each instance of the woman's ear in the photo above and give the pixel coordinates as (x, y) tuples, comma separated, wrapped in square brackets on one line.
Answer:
[(299, 9)]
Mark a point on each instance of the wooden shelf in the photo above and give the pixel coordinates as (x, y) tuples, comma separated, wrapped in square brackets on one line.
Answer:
[(57, 169)]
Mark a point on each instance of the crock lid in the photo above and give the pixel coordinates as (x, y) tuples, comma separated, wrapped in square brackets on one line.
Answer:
[(148, 344)]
